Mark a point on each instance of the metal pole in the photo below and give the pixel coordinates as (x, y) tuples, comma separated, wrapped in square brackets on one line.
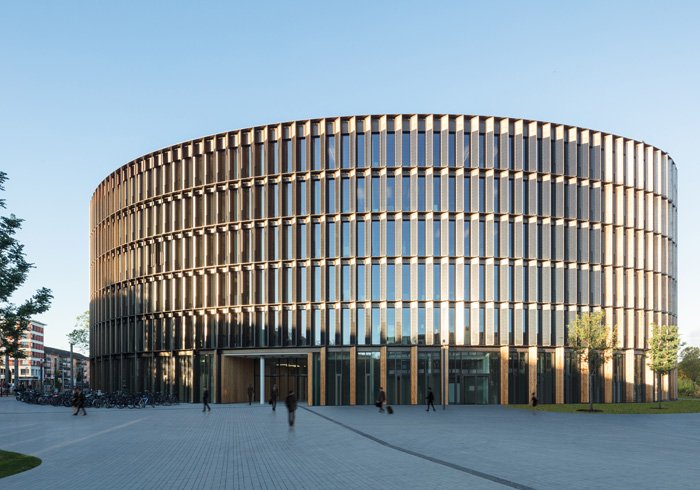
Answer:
[(444, 377), (72, 378), (262, 380)]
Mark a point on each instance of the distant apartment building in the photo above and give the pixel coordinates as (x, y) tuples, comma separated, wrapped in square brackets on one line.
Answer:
[(57, 368), (30, 367)]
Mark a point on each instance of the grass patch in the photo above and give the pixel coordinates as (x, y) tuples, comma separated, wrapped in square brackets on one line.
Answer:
[(677, 406), (11, 463)]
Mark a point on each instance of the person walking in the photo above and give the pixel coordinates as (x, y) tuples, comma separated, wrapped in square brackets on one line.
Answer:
[(75, 401), (273, 397), (382, 400), (291, 403), (430, 400), (533, 401), (250, 394), (205, 400), (81, 402)]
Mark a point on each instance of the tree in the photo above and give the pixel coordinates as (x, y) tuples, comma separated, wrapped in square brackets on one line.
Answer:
[(14, 269), (80, 335), (592, 340), (663, 352), (689, 366)]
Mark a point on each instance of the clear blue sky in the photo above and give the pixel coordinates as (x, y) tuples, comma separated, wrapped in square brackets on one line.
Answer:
[(87, 86)]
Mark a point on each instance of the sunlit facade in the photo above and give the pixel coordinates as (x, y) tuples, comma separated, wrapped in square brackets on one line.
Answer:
[(333, 256)]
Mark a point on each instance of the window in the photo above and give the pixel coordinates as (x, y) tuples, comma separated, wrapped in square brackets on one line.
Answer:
[(467, 149), (390, 193), (345, 239), (406, 147), (467, 282), (436, 282), (406, 282), (451, 238), (482, 282), (361, 283), (345, 292), (330, 152), (482, 194), (360, 194), (421, 149), (376, 327), (315, 153), (316, 239), (482, 150), (360, 148), (451, 194), (330, 240), (390, 237), (345, 151), (406, 238), (451, 160), (406, 193), (345, 195), (437, 161), (467, 238), (391, 282), (361, 238), (376, 149), (421, 282), (390, 149), (421, 193), (436, 193), (316, 197), (376, 238), (496, 151), (316, 293), (376, 194), (302, 197), (467, 194), (482, 238), (421, 237), (437, 249), (330, 204), (421, 325)]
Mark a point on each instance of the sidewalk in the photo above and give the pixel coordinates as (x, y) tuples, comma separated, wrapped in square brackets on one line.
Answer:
[(241, 446)]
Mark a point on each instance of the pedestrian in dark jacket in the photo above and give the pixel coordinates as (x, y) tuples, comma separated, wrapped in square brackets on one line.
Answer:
[(533, 401), (250, 394), (382, 400), (291, 403), (430, 399), (205, 400), (273, 397), (81, 403), (75, 401)]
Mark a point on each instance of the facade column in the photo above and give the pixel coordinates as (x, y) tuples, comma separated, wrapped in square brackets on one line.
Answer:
[(310, 379), (262, 380), (414, 374), (532, 370), (322, 362), (353, 375), (608, 379), (629, 375), (505, 357), (559, 358)]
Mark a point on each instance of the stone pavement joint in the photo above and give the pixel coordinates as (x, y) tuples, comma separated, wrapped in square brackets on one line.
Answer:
[(479, 474)]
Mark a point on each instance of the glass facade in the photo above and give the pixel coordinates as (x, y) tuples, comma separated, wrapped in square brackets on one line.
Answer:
[(419, 230)]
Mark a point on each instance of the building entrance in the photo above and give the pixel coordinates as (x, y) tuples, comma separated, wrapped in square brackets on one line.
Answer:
[(473, 378), (288, 373)]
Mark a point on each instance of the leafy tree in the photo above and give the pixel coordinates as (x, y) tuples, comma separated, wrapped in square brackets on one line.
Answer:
[(14, 269), (663, 352), (593, 341), (80, 335), (689, 365)]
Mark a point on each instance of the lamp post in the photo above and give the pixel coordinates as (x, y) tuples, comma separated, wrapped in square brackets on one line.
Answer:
[(444, 374), (72, 378)]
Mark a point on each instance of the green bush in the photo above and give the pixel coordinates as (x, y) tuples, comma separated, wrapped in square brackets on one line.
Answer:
[(686, 387)]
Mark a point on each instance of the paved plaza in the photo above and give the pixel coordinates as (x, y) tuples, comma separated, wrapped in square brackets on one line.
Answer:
[(241, 446)]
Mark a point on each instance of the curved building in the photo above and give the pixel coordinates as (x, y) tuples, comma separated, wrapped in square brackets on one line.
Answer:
[(334, 256)]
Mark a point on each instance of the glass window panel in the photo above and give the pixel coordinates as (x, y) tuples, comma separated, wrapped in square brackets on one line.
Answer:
[(421, 282), (497, 151), (345, 195), (345, 239), (330, 240), (390, 325), (421, 237), (376, 327), (360, 238), (376, 238), (376, 193), (482, 282), (437, 249), (331, 284), (360, 155), (390, 149), (451, 149), (452, 239), (421, 193), (302, 197), (390, 237), (406, 193), (301, 155), (421, 325), (436, 282), (482, 150), (467, 282), (390, 193), (406, 282), (316, 153), (467, 149), (345, 320), (360, 194), (421, 149), (390, 282), (436, 193), (406, 148), (406, 237), (345, 151), (316, 240), (330, 152), (316, 286), (376, 282), (482, 238), (482, 194), (346, 283), (361, 331), (376, 149), (437, 161), (467, 194), (451, 194), (316, 197), (330, 204), (361, 282)]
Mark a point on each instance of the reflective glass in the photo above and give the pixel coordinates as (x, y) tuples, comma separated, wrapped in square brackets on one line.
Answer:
[(467, 282), (330, 240), (467, 194), (316, 197), (302, 284), (376, 193), (406, 193), (390, 325), (406, 325), (390, 237), (482, 282), (346, 283), (421, 325), (391, 149), (345, 151), (482, 238), (467, 149), (361, 282), (406, 282), (451, 195), (330, 328), (376, 149), (360, 194), (316, 240), (437, 161), (421, 149), (376, 282), (482, 194), (437, 249), (390, 193), (317, 327), (316, 153), (482, 150), (345, 195), (361, 238), (496, 194), (406, 147), (421, 282), (376, 327), (376, 238), (451, 238), (421, 237), (436, 325), (316, 286), (390, 282), (436, 282), (451, 161), (451, 279), (360, 150), (421, 193), (436, 193), (345, 239), (331, 284), (361, 331), (406, 237), (345, 320), (330, 152), (496, 282), (330, 204), (288, 243), (287, 155), (302, 197), (288, 199), (497, 151)]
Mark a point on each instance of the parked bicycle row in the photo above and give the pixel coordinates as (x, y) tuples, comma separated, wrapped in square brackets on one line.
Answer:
[(98, 399)]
